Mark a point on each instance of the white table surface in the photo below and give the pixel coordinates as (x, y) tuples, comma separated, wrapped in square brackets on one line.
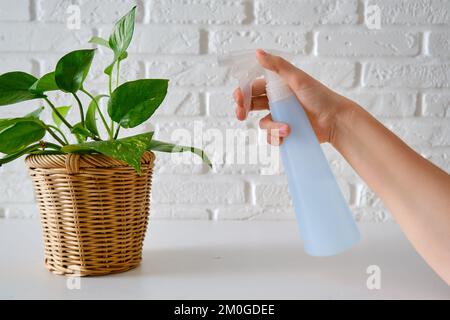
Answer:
[(226, 260)]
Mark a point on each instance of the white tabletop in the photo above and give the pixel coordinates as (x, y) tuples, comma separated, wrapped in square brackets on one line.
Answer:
[(226, 260)]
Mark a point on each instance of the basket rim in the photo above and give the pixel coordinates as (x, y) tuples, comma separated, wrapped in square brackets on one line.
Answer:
[(91, 160)]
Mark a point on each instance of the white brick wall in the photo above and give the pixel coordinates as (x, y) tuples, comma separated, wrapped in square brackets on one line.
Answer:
[(400, 73)]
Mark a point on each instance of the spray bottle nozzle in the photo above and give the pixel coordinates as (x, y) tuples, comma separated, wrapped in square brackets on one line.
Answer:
[(230, 59), (245, 68)]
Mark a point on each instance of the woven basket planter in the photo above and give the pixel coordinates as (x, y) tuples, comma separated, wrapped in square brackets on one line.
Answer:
[(94, 211)]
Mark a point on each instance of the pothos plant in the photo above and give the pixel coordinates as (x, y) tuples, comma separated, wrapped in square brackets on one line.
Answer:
[(129, 105)]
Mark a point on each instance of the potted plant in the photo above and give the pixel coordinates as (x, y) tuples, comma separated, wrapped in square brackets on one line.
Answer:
[(94, 194)]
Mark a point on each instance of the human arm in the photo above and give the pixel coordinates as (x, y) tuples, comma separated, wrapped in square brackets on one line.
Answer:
[(415, 191)]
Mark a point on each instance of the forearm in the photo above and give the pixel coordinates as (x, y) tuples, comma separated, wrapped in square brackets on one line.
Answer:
[(416, 192)]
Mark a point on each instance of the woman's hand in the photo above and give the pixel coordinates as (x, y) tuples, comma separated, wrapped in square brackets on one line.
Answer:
[(323, 106), (385, 162)]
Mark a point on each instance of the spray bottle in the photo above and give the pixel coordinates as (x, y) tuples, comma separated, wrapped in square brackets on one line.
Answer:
[(324, 218)]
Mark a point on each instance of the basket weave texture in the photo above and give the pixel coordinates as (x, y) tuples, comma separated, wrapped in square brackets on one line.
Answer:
[(94, 211)]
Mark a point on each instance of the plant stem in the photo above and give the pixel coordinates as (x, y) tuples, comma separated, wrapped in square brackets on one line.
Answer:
[(59, 115), (110, 93), (60, 132), (55, 136), (110, 83), (52, 145), (95, 138), (99, 112), (16, 155), (117, 73), (31, 148), (117, 131), (117, 84), (112, 126), (80, 107)]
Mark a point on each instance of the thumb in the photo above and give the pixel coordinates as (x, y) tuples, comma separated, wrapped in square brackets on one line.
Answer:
[(287, 71)]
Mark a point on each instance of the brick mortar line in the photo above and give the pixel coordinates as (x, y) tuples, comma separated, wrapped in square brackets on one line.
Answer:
[(243, 27), (147, 57)]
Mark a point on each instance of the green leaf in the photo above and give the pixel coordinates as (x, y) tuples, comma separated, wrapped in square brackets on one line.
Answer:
[(123, 56), (161, 146), (122, 34), (35, 114), (9, 122), (91, 120), (31, 149), (109, 69), (5, 123), (104, 43), (129, 150), (18, 133), (100, 41), (134, 102), (80, 138), (18, 154), (80, 132), (72, 69), (64, 110), (120, 38), (14, 88), (45, 83), (47, 150)]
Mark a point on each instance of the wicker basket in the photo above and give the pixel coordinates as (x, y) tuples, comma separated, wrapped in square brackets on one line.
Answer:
[(94, 211)]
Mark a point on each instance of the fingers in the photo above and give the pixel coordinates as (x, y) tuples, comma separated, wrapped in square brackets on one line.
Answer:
[(260, 103), (295, 77), (259, 100), (239, 99), (258, 87), (272, 126), (240, 113), (276, 131)]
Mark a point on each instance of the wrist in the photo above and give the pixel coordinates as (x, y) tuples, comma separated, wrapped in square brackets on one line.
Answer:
[(343, 123)]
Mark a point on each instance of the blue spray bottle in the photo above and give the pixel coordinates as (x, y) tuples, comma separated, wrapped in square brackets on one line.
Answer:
[(324, 218)]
